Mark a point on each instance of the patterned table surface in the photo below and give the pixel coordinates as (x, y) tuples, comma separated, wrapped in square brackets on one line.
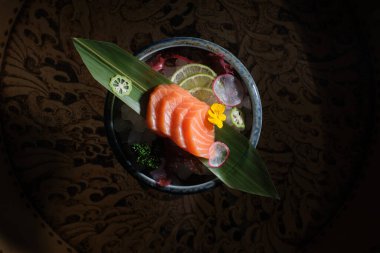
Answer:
[(315, 64)]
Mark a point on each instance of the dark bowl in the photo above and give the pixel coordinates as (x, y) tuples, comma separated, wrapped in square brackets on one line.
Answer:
[(113, 107)]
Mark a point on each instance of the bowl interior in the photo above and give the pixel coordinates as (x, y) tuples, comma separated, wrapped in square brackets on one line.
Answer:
[(125, 127)]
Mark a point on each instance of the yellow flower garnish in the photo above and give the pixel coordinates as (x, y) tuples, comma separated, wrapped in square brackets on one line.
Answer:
[(217, 115)]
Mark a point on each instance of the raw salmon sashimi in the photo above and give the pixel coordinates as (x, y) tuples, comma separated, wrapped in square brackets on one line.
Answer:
[(178, 115), (165, 108), (156, 96), (198, 132), (175, 113)]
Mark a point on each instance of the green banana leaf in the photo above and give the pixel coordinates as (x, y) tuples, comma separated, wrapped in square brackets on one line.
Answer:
[(244, 169)]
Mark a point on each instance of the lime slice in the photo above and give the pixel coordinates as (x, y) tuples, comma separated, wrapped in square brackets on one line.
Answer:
[(204, 94), (190, 70), (198, 80)]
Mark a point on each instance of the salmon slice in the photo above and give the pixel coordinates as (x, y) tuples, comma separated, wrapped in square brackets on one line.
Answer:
[(178, 115), (155, 97), (166, 107), (197, 131)]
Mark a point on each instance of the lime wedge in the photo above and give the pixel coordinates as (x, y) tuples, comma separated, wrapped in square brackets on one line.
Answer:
[(198, 80), (189, 70), (204, 94)]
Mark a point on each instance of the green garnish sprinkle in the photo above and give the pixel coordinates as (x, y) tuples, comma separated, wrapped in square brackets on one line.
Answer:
[(145, 156)]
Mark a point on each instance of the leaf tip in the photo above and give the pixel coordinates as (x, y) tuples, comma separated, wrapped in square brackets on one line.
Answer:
[(78, 40), (275, 194)]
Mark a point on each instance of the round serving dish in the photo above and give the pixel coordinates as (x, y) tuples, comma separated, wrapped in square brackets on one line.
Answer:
[(112, 106)]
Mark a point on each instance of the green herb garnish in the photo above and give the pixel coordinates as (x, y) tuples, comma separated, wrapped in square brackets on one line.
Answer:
[(145, 156)]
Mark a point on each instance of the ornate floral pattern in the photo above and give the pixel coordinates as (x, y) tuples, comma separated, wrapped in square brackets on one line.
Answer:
[(313, 82)]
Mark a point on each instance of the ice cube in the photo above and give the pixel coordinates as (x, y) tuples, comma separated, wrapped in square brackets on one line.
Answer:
[(183, 172), (247, 102), (148, 137), (120, 125), (134, 137), (125, 112)]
